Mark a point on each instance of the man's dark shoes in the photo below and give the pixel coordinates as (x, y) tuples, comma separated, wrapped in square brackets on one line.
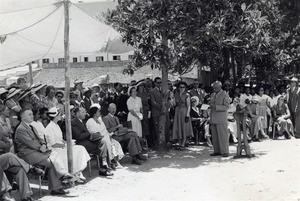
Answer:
[(113, 166), (36, 171), (59, 192), (28, 199), (225, 155), (141, 157), (105, 173), (215, 154), (136, 161)]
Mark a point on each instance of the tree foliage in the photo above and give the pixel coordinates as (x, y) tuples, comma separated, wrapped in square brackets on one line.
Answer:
[(226, 35)]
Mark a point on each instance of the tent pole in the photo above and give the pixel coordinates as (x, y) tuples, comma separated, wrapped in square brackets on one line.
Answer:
[(30, 74), (67, 90)]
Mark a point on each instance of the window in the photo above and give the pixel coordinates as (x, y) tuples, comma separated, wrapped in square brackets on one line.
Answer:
[(117, 58), (130, 57), (74, 59), (46, 61), (61, 60), (86, 59), (99, 59)]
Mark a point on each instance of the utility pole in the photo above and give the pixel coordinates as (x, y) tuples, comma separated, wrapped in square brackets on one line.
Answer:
[(67, 89)]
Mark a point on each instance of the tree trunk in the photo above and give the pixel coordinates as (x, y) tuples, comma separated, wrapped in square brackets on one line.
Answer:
[(233, 66), (162, 121)]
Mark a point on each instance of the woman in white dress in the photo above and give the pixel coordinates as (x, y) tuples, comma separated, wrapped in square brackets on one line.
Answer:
[(54, 138), (134, 105), (98, 130)]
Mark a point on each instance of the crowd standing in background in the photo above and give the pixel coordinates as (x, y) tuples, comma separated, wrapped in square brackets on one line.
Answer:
[(110, 120)]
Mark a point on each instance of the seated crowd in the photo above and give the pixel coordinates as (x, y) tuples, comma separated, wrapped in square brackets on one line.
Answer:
[(108, 122)]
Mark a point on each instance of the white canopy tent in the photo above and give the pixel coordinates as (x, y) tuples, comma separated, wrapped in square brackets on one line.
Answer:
[(35, 29)]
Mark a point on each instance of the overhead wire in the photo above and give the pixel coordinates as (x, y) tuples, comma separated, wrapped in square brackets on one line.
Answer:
[(34, 23), (43, 55)]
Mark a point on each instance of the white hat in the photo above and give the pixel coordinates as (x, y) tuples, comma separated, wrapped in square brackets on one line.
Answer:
[(97, 105), (53, 112), (294, 79), (196, 98), (95, 85)]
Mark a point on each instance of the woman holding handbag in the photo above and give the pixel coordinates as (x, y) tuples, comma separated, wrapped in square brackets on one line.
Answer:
[(182, 126)]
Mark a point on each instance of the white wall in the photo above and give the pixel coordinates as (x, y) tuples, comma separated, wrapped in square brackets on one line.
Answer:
[(92, 57)]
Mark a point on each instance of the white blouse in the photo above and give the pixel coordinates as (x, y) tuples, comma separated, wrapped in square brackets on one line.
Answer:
[(134, 104), (54, 134), (94, 127), (40, 128)]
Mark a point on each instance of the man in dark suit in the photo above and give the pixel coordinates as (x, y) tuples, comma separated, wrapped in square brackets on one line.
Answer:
[(105, 99), (82, 137), (156, 108), (35, 151), (122, 134), (121, 102), (87, 102)]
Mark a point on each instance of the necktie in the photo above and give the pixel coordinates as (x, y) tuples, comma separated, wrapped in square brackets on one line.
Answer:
[(116, 120), (36, 135)]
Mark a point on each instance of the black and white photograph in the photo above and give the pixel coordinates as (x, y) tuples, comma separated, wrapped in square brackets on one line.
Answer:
[(149, 100)]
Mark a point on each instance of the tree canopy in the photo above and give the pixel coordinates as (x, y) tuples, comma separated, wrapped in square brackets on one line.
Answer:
[(227, 35)]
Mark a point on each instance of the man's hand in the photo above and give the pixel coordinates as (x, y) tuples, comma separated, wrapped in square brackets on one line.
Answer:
[(119, 125), (43, 148)]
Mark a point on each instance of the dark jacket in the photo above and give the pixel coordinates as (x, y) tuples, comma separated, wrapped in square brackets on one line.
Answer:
[(82, 136)]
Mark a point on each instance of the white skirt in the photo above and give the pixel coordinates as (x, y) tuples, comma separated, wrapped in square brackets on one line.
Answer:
[(59, 158)]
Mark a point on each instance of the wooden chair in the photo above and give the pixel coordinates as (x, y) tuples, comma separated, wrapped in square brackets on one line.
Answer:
[(89, 163)]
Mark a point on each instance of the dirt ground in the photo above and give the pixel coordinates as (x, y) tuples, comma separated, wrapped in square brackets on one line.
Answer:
[(194, 175)]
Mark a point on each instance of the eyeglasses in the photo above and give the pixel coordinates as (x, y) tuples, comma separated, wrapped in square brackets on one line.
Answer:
[(59, 96), (181, 87)]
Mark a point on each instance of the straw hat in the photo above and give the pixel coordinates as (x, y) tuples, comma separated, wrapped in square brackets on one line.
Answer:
[(196, 99), (12, 92), (24, 94), (3, 90), (38, 87), (53, 112)]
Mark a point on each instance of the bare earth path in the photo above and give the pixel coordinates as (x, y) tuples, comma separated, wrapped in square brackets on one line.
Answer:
[(193, 175)]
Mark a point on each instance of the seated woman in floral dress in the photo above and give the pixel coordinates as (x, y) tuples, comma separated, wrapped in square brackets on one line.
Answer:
[(98, 130), (282, 116)]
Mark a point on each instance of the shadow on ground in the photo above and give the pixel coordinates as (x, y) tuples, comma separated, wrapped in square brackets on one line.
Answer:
[(192, 157)]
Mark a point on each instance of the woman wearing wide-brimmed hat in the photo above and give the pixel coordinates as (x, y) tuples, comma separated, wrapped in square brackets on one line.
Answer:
[(3, 95), (13, 104), (24, 99), (5, 130), (38, 94)]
